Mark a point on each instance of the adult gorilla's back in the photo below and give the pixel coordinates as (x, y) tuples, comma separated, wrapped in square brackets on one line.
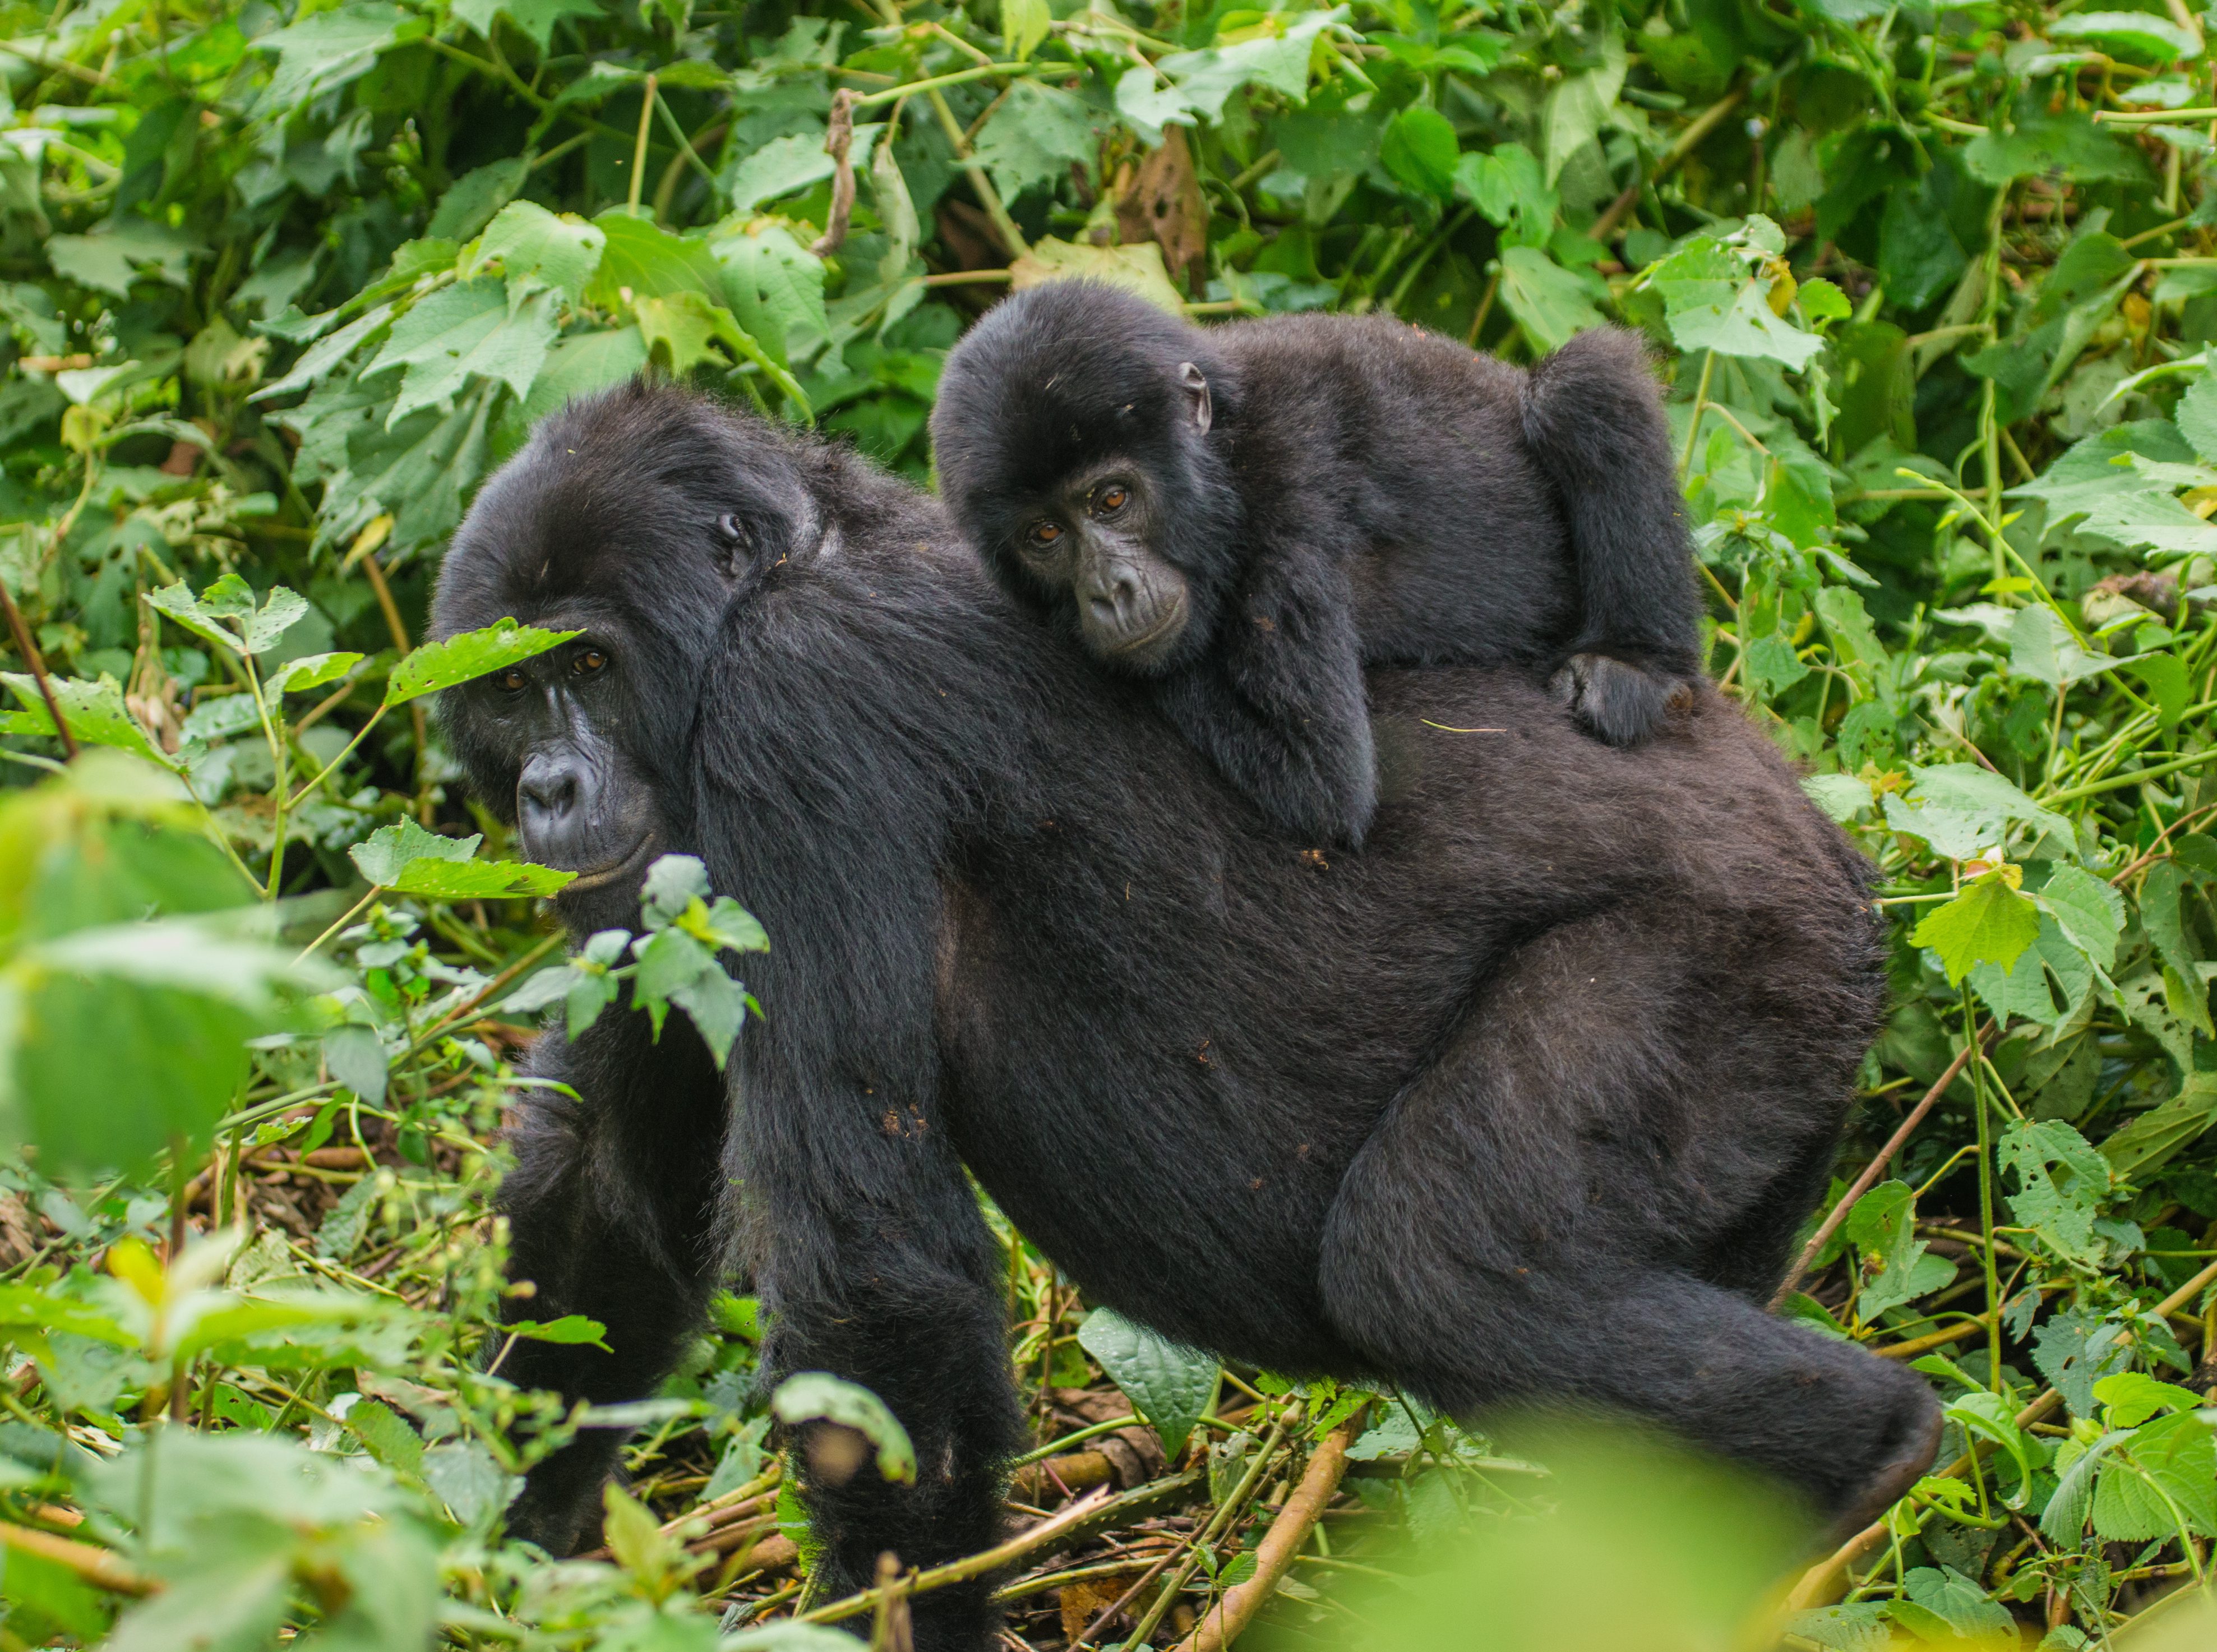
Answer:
[(1524, 1101)]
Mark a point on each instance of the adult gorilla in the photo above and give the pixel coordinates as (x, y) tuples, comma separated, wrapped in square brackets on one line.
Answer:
[(1523, 1102)]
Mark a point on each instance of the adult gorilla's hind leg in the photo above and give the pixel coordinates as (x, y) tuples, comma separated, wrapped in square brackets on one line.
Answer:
[(1524, 1226)]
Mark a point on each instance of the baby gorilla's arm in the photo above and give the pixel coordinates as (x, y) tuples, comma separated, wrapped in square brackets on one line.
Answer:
[(1278, 703)]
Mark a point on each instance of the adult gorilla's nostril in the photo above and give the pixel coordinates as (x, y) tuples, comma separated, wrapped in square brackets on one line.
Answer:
[(1104, 611)]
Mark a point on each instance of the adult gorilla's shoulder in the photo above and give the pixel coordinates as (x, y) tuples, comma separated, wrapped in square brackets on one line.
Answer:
[(1523, 1102)]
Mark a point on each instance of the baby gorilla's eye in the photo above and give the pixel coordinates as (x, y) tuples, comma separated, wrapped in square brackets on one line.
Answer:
[(511, 681), (588, 662), (1111, 497), (1046, 534)]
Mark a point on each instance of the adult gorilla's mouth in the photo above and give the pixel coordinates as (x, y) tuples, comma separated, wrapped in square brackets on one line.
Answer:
[(608, 873)]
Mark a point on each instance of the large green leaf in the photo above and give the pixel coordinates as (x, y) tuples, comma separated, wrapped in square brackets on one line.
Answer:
[(459, 659), (1989, 923), (469, 328), (1170, 1384), (333, 47)]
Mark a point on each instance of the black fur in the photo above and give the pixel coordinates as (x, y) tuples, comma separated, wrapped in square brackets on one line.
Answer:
[(1364, 493), (1523, 1102)]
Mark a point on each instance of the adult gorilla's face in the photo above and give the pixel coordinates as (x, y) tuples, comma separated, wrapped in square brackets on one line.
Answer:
[(581, 802), (636, 524)]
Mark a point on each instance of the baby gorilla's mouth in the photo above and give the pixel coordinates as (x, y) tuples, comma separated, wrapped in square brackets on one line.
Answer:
[(1155, 639), (609, 872)]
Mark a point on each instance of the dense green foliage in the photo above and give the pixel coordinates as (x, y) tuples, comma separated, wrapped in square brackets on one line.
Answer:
[(1936, 289)]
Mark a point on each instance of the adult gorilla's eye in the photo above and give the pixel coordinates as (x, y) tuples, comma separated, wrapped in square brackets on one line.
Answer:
[(1112, 498), (511, 681), (1046, 534), (728, 526), (588, 662)]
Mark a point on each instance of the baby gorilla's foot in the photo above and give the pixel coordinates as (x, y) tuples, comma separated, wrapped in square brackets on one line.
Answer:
[(1621, 702)]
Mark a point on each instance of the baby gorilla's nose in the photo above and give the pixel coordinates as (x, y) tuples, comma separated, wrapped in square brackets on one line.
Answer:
[(1113, 600)]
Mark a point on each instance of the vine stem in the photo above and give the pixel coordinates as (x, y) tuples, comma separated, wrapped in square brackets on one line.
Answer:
[(1986, 1193), (960, 1571), (1700, 403)]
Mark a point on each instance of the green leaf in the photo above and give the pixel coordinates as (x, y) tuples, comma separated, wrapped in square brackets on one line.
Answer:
[(468, 329), (2130, 1398), (1170, 1384), (1024, 24), (1958, 1606), (781, 167), (381, 856), (2062, 1182), (1884, 1224), (1550, 304), (94, 712), (651, 263), (121, 251), (536, 18), (473, 200), (439, 879), (1710, 302), (2152, 1138), (1988, 923), (465, 656), (312, 672), (571, 1330), (2047, 143), (333, 47), (1509, 188), (2040, 647), (582, 364), (774, 286), (817, 1395), (2138, 34), (1421, 152), (2091, 912), (1276, 57), (1578, 103), (2196, 416), (1987, 1415), (538, 249), (1136, 268), (1034, 138)]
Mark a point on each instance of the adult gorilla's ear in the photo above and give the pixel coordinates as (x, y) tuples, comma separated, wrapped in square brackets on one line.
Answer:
[(1194, 383), (732, 543)]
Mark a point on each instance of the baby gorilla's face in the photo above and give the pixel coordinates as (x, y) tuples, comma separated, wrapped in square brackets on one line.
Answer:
[(1094, 538)]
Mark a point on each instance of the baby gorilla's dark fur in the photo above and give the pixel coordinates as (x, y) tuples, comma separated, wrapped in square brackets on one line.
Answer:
[(1249, 514), (1523, 1103)]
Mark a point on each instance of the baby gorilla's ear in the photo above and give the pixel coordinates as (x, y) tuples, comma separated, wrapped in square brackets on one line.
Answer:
[(1196, 384)]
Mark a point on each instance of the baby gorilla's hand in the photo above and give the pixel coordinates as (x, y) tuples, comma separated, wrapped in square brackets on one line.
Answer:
[(1621, 702)]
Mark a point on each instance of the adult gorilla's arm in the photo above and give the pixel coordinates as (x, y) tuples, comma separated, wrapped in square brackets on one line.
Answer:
[(611, 1210)]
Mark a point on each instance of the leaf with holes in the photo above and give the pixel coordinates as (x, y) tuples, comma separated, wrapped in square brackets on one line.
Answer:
[(467, 656)]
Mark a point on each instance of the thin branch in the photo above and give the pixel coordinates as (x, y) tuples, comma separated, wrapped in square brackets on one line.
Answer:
[(37, 667), (1872, 1171), (1273, 1556)]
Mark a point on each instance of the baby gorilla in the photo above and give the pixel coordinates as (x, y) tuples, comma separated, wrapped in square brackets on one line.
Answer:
[(1249, 515)]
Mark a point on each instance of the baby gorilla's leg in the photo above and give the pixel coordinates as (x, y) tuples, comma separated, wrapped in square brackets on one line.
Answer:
[(1622, 703)]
